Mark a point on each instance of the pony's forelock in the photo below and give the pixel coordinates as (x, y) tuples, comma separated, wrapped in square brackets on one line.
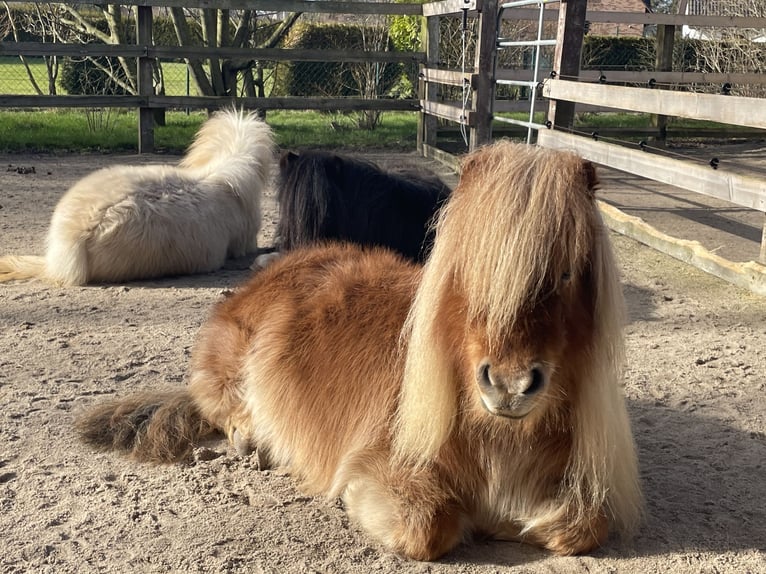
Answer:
[(519, 206), (499, 244)]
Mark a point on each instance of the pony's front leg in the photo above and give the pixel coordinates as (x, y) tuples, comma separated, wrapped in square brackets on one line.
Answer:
[(566, 533), (413, 517)]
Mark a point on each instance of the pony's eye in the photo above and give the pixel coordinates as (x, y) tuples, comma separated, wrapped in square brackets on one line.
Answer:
[(566, 277)]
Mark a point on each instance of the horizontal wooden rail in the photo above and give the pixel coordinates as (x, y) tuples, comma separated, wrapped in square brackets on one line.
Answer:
[(750, 112), (643, 76), (448, 77), (676, 78), (324, 7), (446, 7), (287, 103), (201, 52), (746, 191), (449, 112)]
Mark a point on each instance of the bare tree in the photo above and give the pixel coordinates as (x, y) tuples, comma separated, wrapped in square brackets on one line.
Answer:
[(43, 22), (84, 29), (112, 24), (368, 77), (220, 77)]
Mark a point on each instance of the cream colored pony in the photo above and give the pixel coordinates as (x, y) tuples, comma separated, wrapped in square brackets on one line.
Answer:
[(479, 394), (136, 222)]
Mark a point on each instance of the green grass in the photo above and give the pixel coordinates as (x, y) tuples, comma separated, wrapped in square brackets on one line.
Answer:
[(14, 78), (397, 130), (48, 130), (117, 130)]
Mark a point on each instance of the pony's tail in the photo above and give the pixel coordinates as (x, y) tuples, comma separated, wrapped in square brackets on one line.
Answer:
[(152, 427), (66, 259), (14, 267)]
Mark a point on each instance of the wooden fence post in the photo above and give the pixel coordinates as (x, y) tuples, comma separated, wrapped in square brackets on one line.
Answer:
[(566, 60), (144, 77), (484, 90), (428, 91), (663, 63)]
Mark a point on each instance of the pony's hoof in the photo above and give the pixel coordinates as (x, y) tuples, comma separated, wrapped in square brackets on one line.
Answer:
[(263, 261), (241, 444)]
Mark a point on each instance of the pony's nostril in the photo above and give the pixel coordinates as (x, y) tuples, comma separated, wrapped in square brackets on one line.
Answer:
[(536, 381), (482, 374)]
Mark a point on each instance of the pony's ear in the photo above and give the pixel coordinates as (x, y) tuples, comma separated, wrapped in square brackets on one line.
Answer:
[(591, 177), (287, 158)]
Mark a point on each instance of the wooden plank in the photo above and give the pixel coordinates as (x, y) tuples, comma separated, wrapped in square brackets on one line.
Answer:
[(446, 7), (309, 6), (289, 54), (674, 78), (47, 49), (643, 76), (749, 112), (203, 52), (449, 77), (12, 101), (450, 160), (741, 190), (566, 59), (448, 112), (196, 102), (484, 87), (288, 103)]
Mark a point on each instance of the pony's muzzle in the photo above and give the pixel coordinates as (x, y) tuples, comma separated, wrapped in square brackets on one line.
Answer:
[(510, 394)]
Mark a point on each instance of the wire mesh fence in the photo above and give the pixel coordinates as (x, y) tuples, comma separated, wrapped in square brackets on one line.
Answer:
[(335, 76)]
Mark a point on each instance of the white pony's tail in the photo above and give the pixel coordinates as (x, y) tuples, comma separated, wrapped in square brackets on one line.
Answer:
[(233, 144), (15, 267), (64, 265), (66, 262)]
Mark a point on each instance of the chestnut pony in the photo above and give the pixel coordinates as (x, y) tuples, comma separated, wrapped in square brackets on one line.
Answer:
[(130, 222), (477, 394)]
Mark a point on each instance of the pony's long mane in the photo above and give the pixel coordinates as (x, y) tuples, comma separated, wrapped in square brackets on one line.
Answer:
[(511, 233)]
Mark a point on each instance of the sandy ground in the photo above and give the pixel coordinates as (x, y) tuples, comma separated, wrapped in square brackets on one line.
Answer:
[(695, 383)]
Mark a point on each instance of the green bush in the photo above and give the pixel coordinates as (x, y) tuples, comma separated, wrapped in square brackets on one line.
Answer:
[(84, 76)]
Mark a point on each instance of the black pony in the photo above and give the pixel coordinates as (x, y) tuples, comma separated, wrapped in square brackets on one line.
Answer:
[(326, 196)]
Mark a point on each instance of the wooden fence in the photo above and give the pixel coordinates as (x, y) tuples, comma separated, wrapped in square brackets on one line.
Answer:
[(570, 87), (145, 52)]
